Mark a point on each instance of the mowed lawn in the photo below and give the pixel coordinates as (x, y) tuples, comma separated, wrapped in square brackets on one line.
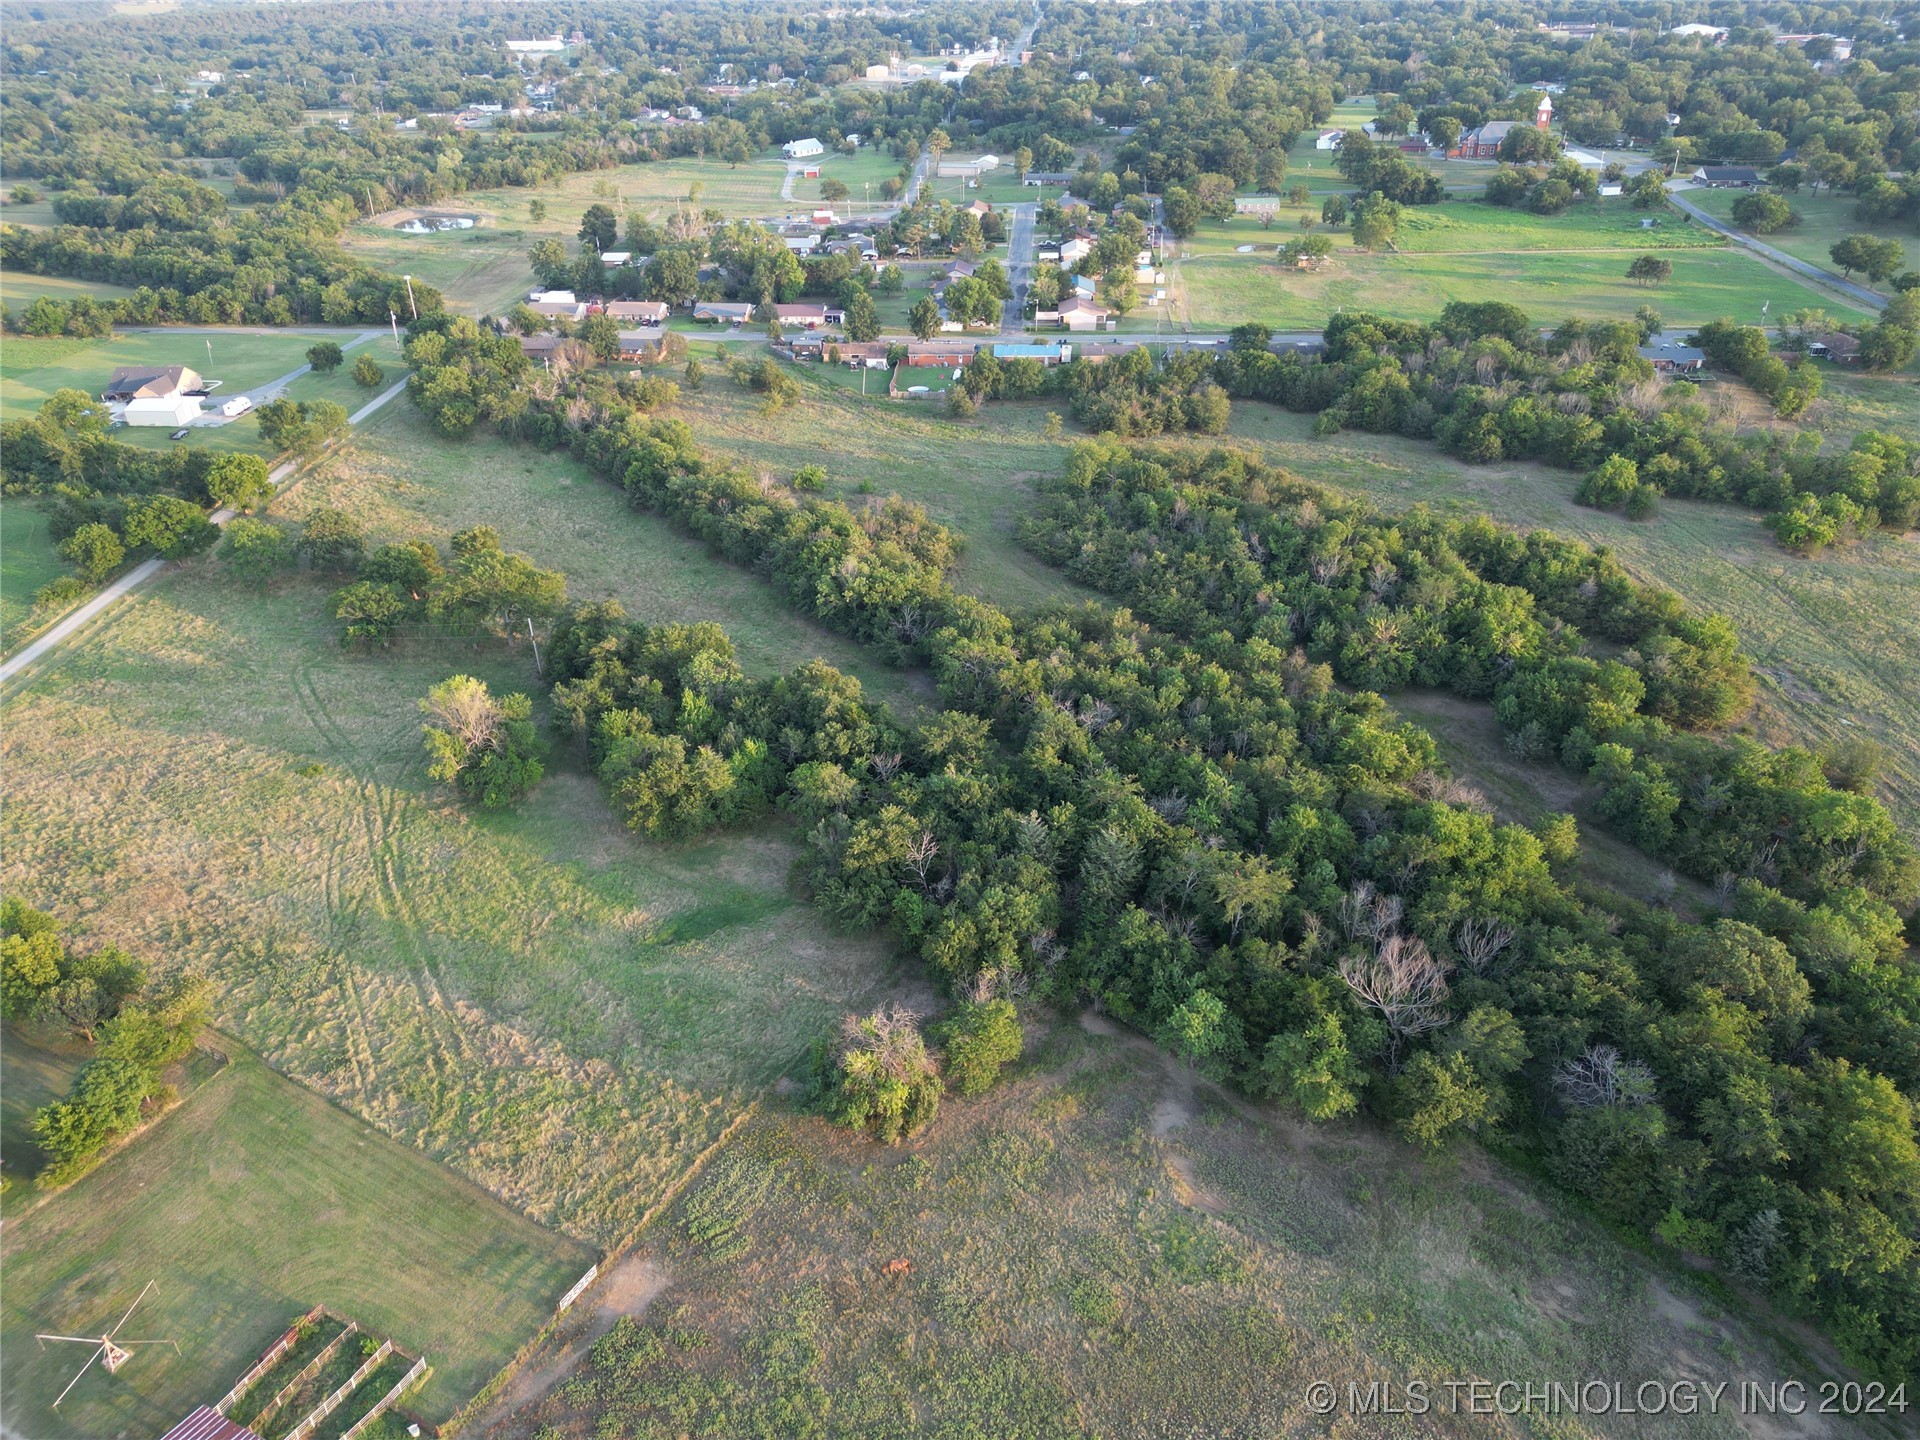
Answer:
[(1219, 291), (249, 1203), (27, 561), (1469, 227), (18, 289), (1824, 219), (1832, 637), (564, 1013)]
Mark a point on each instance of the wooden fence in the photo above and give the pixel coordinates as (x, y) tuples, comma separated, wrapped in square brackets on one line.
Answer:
[(419, 1369), (307, 1371), (265, 1363), (327, 1406)]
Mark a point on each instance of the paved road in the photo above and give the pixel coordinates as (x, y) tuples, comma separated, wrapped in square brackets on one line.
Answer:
[(24, 659), (1019, 265), (1872, 299)]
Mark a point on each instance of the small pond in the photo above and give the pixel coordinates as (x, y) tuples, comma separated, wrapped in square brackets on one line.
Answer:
[(434, 224)]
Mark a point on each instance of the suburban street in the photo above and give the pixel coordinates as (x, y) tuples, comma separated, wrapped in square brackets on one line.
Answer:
[(29, 654), (1019, 265)]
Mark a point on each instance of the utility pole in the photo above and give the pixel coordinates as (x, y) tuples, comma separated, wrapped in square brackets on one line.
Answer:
[(393, 320), (410, 305), (539, 669)]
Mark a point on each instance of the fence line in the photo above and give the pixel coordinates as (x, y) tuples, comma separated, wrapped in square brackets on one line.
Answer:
[(310, 1369), (266, 1362), (566, 1300), (326, 1407), (458, 1422), (380, 1405)]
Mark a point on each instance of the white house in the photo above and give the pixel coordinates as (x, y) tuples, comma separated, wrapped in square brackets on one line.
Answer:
[(614, 258), (551, 45), (803, 149), (876, 72), (1328, 140)]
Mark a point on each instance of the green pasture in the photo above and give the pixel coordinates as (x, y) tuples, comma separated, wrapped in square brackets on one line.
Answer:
[(1825, 218), (18, 289), (27, 562), (1218, 291), (564, 1014), (975, 476), (250, 1202), (1161, 1259)]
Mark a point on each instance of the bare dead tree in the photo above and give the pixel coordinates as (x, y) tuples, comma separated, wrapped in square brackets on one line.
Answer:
[(920, 855), (1356, 909), (1404, 983), (1600, 1077), (1479, 939), (886, 766)]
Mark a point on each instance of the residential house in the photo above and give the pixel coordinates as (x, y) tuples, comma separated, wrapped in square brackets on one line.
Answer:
[(642, 312), (961, 270), (801, 244), (153, 382), (540, 347), (614, 259), (570, 310), (803, 149), (978, 208), (1075, 248), (644, 345), (722, 311), (1723, 177), (1838, 348), (1328, 140), (1077, 313), (1674, 359), (813, 316), (1047, 177)]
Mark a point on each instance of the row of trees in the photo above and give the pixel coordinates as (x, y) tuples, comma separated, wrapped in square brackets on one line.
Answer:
[(1486, 384)]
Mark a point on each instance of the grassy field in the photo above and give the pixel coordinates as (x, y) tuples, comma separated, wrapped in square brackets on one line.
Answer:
[(974, 476), (565, 1015), (1109, 1247), (1467, 227), (19, 290), (1217, 291), (1831, 636), (1824, 219), (27, 562), (250, 1202)]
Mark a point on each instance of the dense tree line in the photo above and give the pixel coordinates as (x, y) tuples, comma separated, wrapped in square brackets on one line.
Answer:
[(1485, 384)]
